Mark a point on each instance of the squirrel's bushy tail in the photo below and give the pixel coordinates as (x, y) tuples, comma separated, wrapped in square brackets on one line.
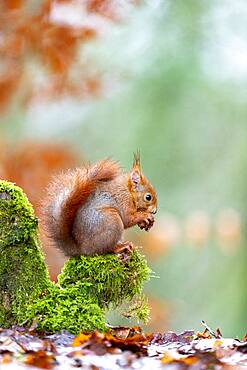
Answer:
[(66, 193)]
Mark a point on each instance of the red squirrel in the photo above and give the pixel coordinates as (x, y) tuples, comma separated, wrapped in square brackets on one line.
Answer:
[(86, 210)]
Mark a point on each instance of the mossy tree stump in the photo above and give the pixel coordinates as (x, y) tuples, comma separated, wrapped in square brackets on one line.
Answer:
[(87, 287), (23, 273)]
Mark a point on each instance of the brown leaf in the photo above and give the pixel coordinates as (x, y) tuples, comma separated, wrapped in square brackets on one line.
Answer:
[(101, 343), (41, 359)]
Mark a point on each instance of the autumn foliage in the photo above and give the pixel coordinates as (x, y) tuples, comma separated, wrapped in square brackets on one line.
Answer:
[(40, 47), (31, 165)]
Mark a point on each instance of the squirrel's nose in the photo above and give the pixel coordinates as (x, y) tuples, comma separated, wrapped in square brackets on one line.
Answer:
[(154, 211)]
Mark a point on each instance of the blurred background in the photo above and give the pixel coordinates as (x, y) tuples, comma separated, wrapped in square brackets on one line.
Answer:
[(81, 80)]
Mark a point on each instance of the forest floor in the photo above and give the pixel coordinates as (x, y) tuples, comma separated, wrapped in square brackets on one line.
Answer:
[(124, 348)]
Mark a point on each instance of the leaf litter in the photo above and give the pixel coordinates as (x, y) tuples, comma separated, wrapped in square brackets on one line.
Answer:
[(121, 348)]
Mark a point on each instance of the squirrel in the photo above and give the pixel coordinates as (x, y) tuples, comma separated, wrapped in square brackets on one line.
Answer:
[(86, 210)]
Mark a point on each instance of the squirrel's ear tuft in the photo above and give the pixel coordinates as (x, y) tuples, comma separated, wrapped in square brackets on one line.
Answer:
[(137, 160), (136, 170)]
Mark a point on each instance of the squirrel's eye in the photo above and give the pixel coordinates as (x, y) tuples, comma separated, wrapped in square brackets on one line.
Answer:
[(147, 197)]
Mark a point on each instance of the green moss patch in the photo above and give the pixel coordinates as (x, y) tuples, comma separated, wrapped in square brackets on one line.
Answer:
[(66, 309), (87, 288), (17, 220), (110, 280)]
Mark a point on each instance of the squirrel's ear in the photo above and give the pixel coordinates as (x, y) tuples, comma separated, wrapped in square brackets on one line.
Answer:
[(136, 170), (135, 176)]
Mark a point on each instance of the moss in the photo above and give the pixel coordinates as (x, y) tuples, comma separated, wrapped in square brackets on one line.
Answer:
[(110, 281), (23, 274), (138, 309), (17, 220), (66, 309), (87, 287)]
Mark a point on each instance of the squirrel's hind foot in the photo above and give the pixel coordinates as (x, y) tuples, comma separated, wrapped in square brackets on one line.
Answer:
[(124, 247)]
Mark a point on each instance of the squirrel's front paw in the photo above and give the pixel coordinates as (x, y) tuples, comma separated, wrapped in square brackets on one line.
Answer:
[(147, 223)]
